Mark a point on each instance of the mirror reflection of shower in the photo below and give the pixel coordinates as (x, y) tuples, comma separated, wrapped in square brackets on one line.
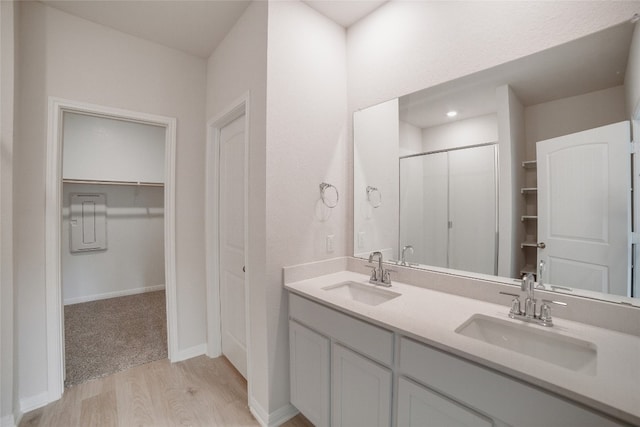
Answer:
[(448, 209)]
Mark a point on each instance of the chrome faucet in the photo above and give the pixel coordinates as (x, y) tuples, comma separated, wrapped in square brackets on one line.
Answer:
[(403, 259), (529, 313), (379, 275)]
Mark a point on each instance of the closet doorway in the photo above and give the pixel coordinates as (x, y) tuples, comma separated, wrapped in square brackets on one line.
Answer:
[(110, 240)]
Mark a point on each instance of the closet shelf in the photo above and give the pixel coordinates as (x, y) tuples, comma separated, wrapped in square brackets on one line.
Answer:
[(530, 164), (529, 190), (529, 217), (102, 182)]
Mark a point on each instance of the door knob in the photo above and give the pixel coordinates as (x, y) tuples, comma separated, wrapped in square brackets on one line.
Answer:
[(541, 245), (243, 270)]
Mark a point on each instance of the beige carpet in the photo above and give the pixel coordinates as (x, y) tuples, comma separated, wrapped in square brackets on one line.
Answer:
[(107, 336)]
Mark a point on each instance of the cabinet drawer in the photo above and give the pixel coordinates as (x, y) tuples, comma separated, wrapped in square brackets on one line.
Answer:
[(375, 342), (489, 392)]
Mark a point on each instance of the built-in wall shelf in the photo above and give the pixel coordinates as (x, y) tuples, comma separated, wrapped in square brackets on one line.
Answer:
[(101, 182), (528, 269), (530, 199)]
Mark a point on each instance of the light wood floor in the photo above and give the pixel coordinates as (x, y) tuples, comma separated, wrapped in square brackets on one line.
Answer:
[(197, 392)]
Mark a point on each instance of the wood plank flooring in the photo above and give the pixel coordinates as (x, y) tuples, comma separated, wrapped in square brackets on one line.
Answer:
[(197, 392)]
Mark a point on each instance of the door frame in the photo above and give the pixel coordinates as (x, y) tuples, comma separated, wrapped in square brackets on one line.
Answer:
[(234, 110), (53, 228), (635, 203)]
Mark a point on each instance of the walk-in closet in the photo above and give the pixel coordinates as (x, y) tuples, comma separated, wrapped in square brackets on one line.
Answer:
[(112, 254)]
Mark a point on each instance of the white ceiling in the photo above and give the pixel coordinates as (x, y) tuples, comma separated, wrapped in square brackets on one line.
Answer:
[(594, 62), (345, 12), (192, 26), (195, 27)]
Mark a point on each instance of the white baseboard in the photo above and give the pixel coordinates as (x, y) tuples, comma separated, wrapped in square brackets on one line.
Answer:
[(114, 294), (34, 402), (8, 421), (258, 412), (273, 419), (188, 353), (282, 415)]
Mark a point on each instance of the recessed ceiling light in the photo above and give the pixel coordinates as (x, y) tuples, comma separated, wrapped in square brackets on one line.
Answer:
[(452, 113)]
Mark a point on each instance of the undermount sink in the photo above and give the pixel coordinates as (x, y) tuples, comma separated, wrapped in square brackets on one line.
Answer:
[(366, 294), (531, 340)]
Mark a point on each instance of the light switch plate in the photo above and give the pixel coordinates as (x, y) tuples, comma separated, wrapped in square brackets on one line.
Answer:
[(330, 243)]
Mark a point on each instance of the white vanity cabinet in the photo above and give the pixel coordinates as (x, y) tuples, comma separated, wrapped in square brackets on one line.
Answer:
[(348, 372), (352, 386), (442, 386)]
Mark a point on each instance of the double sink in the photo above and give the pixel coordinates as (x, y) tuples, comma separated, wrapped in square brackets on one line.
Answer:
[(526, 339)]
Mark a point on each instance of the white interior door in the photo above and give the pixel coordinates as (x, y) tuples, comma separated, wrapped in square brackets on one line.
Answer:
[(584, 209), (232, 237), (473, 209)]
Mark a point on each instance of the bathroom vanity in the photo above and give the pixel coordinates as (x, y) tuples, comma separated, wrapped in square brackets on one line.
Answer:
[(412, 356)]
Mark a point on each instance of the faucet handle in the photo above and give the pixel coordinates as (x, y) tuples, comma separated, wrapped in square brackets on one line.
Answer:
[(515, 303), (545, 311), (374, 272), (386, 275)]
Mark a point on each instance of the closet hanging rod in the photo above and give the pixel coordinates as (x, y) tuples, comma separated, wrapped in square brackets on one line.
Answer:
[(101, 182)]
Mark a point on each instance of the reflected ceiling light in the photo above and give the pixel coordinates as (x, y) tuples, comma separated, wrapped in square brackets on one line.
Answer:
[(452, 113)]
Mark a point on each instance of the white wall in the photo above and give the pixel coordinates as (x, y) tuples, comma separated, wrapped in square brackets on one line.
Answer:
[(134, 259), (376, 145), (64, 56), (238, 65), (307, 143), (632, 76), (100, 148), (7, 348), (461, 133), (410, 139), (406, 46), (573, 114), (511, 146)]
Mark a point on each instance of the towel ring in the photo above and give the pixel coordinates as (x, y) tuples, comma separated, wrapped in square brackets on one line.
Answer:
[(326, 191), (374, 197)]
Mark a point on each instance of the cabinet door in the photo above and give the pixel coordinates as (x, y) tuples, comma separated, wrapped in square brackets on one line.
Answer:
[(419, 406), (309, 373), (360, 390)]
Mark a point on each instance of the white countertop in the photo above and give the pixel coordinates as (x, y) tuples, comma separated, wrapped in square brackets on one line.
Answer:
[(432, 317)]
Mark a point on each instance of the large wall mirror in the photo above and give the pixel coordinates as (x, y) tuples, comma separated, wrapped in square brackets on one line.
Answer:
[(523, 168)]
